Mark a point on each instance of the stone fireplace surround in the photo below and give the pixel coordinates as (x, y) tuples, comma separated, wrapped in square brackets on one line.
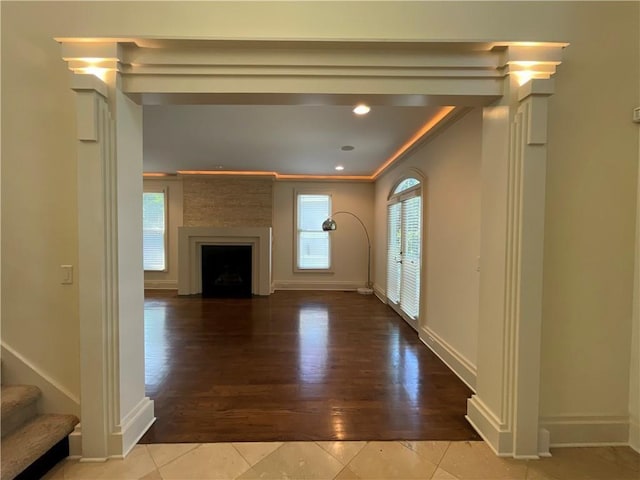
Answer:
[(191, 240)]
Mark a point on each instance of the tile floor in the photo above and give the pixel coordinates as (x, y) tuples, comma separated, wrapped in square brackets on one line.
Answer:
[(352, 461)]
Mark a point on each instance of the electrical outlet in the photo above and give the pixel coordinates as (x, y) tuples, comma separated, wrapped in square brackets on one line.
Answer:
[(636, 115)]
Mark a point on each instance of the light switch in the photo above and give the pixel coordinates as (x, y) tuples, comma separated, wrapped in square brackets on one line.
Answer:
[(66, 274)]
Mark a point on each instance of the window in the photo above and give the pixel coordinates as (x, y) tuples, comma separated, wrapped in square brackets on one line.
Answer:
[(312, 243), (153, 231)]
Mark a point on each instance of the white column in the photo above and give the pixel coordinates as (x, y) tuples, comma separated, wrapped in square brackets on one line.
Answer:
[(505, 409), (114, 410), (97, 270)]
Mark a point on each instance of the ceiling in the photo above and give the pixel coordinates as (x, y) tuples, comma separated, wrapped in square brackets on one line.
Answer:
[(286, 139)]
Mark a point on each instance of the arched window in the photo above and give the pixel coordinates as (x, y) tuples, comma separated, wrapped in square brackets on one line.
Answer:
[(404, 242)]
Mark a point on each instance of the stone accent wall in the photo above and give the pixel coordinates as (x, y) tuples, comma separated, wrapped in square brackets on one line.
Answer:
[(221, 201)]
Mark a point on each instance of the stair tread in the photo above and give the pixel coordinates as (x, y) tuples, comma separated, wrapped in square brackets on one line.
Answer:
[(32, 440), (13, 397)]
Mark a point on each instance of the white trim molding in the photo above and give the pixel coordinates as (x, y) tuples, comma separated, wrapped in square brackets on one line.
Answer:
[(104, 382), (584, 431), (161, 284), (55, 398), (505, 409), (316, 285), (132, 427), (458, 363), (634, 433)]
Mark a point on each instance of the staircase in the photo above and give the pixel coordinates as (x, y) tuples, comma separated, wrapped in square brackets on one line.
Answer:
[(32, 443)]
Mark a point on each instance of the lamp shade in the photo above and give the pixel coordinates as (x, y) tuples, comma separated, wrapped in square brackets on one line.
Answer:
[(329, 224)]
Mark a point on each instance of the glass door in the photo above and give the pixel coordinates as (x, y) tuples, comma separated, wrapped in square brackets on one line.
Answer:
[(404, 240)]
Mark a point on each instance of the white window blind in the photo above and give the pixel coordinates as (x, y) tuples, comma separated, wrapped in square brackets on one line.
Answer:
[(312, 242), (394, 249), (410, 290), (153, 231)]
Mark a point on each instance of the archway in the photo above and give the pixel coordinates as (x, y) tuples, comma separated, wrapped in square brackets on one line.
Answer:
[(511, 82)]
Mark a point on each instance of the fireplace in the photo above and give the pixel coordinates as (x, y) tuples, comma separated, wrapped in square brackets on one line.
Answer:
[(191, 241), (226, 271)]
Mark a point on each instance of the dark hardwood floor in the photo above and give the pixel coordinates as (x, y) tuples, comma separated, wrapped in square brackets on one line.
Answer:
[(294, 366)]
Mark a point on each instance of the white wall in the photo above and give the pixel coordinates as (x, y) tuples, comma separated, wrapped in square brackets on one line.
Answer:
[(589, 227), (591, 176), (348, 242), (451, 199), (173, 188)]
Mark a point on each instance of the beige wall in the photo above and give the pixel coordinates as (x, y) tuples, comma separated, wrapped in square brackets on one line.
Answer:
[(227, 201), (451, 199), (591, 179), (172, 187), (348, 242)]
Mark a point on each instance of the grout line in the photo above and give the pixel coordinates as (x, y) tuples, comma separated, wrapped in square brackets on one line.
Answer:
[(158, 467), (366, 442), (282, 444), (443, 455)]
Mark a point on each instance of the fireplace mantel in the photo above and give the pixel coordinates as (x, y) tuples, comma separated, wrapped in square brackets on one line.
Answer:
[(191, 239)]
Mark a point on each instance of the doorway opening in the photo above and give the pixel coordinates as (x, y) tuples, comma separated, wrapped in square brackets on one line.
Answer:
[(404, 226)]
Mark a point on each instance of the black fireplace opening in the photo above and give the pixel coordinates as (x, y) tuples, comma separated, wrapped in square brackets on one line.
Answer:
[(226, 271)]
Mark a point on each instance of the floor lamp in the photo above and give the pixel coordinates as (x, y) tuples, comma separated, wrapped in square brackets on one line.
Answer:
[(329, 225)]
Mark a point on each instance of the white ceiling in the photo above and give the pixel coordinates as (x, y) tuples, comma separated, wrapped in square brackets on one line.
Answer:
[(287, 139)]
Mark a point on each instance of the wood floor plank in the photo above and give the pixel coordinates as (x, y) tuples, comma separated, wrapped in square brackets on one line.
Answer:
[(294, 366)]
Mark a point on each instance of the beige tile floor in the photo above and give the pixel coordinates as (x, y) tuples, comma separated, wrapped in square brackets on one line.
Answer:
[(353, 461)]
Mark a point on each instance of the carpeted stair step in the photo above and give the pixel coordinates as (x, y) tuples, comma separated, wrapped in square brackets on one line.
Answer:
[(18, 406), (34, 439)]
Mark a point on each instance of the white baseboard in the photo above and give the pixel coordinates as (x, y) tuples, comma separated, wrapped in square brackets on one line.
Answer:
[(315, 285), (583, 431), (75, 442), (16, 369), (161, 284), (380, 293), (499, 439), (457, 362), (126, 436), (132, 428), (634, 433)]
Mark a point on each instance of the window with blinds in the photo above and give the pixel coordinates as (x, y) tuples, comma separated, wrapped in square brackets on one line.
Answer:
[(411, 239), (154, 231), (313, 248), (404, 240), (394, 251)]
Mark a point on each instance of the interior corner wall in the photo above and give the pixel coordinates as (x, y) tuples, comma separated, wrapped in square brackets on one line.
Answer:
[(173, 189), (450, 163), (348, 242)]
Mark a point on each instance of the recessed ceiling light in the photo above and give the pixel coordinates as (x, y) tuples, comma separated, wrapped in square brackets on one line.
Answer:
[(361, 109), (339, 167), (347, 148)]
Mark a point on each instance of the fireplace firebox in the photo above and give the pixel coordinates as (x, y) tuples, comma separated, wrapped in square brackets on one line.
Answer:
[(226, 271)]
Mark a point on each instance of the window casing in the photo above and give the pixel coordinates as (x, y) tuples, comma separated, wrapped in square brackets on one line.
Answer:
[(313, 245), (154, 231)]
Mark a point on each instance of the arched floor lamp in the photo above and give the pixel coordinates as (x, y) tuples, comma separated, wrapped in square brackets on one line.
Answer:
[(329, 225)]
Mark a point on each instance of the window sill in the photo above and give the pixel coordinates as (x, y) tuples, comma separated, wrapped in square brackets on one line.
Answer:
[(312, 270)]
